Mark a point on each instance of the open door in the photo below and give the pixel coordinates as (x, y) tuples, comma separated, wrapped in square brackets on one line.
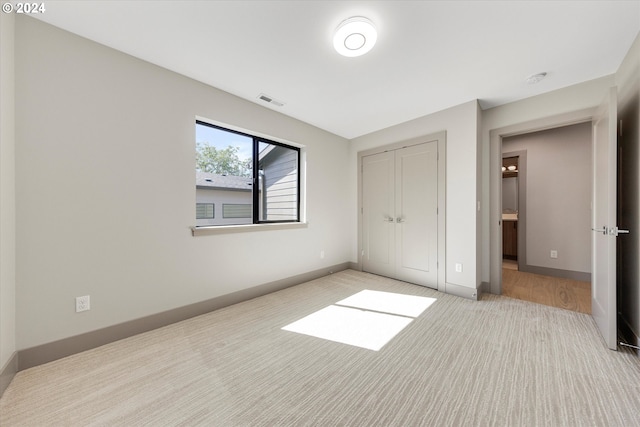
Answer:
[(604, 229)]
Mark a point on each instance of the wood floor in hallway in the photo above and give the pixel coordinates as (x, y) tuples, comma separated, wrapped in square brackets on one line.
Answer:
[(552, 291)]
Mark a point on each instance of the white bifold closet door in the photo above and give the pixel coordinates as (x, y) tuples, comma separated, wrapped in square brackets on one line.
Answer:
[(400, 214)]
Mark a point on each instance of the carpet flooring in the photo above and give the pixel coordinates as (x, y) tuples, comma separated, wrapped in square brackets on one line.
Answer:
[(498, 361)]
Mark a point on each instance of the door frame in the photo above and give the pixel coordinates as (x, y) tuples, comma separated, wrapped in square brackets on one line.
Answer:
[(495, 180), (440, 137)]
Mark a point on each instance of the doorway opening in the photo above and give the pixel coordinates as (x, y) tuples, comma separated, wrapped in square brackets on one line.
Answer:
[(513, 208), (534, 267)]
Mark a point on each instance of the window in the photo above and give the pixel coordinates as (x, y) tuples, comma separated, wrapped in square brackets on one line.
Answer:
[(254, 179), (236, 211), (205, 211)]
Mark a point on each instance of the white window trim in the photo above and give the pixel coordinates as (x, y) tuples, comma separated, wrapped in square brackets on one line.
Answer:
[(229, 229)]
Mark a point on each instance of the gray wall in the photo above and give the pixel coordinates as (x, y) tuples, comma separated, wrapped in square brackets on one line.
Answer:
[(7, 193), (558, 196), (628, 81), (105, 193)]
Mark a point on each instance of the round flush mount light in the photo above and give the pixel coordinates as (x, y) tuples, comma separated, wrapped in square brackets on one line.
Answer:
[(355, 36)]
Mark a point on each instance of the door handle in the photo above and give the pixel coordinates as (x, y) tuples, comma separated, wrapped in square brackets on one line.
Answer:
[(400, 220), (389, 219), (615, 231)]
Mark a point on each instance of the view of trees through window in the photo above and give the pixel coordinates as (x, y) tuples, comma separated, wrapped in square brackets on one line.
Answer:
[(222, 152), (235, 187)]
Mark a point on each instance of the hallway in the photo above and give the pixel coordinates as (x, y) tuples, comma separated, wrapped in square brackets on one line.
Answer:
[(569, 294)]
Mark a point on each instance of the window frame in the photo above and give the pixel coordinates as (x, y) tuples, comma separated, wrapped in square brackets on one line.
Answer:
[(255, 195)]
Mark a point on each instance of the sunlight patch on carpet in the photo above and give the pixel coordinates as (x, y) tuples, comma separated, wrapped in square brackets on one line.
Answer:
[(388, 302), (366, 329), (370, 319)]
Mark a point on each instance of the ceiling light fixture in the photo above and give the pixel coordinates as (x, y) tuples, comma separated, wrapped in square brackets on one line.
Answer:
[(355, 36), (535, 78)]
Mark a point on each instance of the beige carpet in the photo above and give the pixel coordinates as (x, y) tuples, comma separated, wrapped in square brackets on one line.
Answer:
[(499, 361)]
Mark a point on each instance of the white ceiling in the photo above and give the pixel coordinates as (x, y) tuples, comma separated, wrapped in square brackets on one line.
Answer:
[(430, 55)]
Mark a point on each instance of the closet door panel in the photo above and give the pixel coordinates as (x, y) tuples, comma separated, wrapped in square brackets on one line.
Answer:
[(378, 175), (416, 188)]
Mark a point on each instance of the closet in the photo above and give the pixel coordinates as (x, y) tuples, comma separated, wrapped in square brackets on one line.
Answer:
[(400, 213)]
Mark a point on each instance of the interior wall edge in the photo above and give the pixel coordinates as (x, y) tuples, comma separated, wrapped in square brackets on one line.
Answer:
[(355, 266), (7, 192), (49, 352), (463, 291), (9, 371), (485, 287)]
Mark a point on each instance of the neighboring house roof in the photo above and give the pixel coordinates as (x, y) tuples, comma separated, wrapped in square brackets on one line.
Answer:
[(266, 151), (213, 181)]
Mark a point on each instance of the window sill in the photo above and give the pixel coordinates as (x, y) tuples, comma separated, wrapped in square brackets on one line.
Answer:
[(230, 229)]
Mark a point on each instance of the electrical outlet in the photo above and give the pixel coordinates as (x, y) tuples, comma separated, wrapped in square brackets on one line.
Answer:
[(321, 254), (554, 254), (458, 267), (83, 303)]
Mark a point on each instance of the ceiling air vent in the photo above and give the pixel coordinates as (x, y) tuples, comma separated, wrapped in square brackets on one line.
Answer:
[(270, 100)]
